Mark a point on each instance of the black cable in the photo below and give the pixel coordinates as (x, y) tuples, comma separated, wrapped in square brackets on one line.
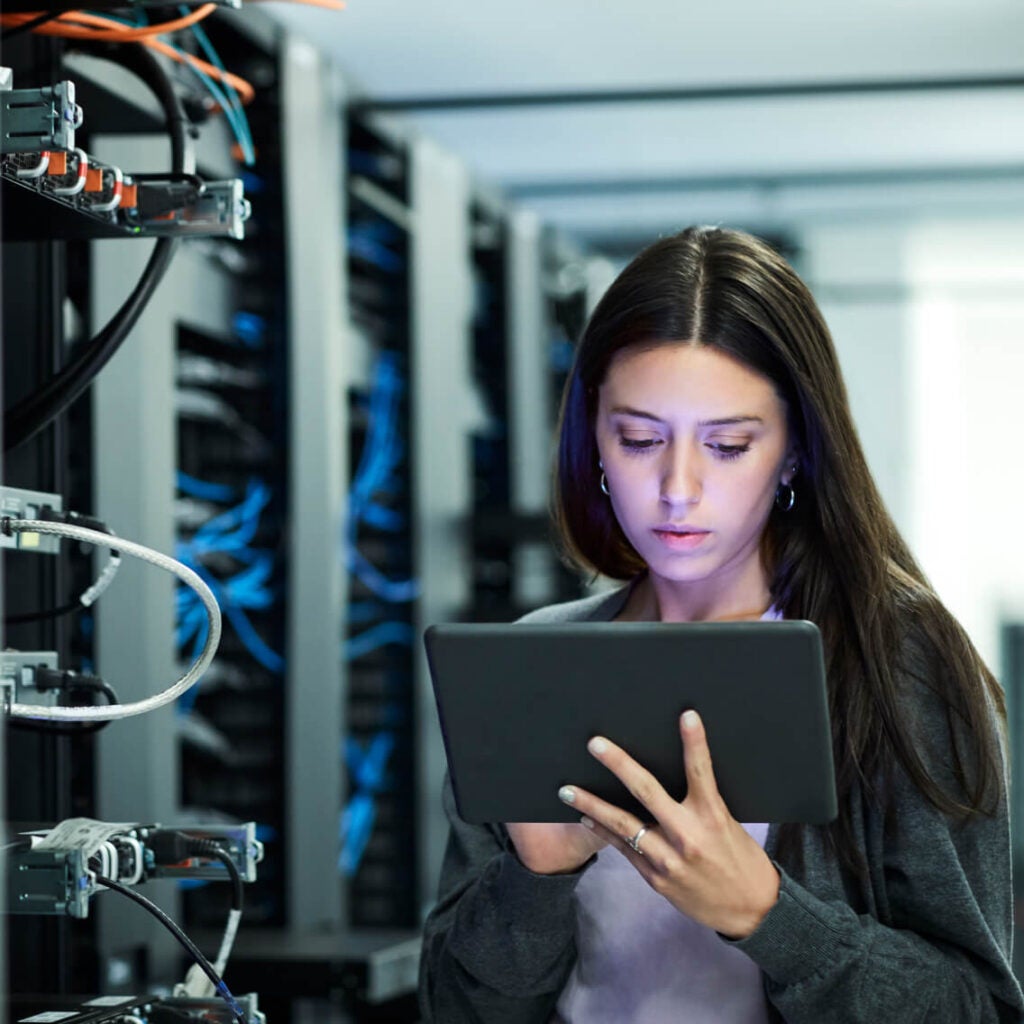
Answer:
[(190, 946), (72, 681), (209, 848), (50, 613), (108, 691), (172, 847), (33, 413), (76, 519)]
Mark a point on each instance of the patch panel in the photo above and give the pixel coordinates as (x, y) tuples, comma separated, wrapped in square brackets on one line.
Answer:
[(118, 204), (18, 677), (16, 503), (38, 119), (130, 1009), (54, 872)]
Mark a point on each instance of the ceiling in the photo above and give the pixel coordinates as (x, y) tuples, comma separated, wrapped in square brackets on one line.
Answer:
[(751, 113)]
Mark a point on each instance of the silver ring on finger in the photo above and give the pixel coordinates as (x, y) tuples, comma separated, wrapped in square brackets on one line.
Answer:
[(634, 841)]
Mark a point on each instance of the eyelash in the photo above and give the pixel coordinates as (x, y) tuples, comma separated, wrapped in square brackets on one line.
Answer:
[(723, 452)]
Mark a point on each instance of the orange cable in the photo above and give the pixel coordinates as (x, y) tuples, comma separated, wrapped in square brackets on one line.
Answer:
[(115, 31), (246, 93)]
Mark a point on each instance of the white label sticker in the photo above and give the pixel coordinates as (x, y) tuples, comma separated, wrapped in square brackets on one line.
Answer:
[(84, 833), (109, 1000), (50, 1015)]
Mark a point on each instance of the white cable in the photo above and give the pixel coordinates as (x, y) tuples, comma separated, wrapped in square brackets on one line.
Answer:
[(221, 963), (105, 578), (196, 984), (127, 547)]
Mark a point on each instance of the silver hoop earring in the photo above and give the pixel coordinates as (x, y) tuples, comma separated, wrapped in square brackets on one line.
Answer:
[(604, 485), (785, 502)]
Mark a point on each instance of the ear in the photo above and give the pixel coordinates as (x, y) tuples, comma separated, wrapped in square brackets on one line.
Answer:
[(790, 466)]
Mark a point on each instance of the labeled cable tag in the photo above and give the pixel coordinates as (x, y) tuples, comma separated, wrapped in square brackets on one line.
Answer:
[(86, 834)]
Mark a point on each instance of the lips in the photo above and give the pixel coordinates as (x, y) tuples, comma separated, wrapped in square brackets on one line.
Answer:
[(681, 538)]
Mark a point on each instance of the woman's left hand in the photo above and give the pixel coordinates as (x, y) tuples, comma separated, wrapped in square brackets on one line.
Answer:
[(695, 853)]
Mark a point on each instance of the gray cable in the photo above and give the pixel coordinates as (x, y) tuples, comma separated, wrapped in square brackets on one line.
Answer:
[(126, 547)]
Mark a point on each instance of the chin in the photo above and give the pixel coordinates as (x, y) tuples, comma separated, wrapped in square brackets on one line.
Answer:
[(677, 571)]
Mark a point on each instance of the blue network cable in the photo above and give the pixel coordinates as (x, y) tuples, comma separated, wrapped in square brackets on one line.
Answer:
[(370, 248), (382, 453), (388, 519), (381, 457), (232, 105), (231, 533), (203, 489), (378, 636), (249, 328), (367, 773)]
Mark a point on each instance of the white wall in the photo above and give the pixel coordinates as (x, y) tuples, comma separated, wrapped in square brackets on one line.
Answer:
[(928, 319), (967, 484)]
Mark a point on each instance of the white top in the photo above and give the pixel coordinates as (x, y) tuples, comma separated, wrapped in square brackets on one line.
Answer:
[(643, 961)]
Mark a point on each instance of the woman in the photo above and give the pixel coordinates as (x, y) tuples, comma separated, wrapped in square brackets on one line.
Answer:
[(708, 457)]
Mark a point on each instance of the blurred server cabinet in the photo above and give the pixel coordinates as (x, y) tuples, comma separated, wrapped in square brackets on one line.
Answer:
[(377, 825), (398, 405), (194, 421)]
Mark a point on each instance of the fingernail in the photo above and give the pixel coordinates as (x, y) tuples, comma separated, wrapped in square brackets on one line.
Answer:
[(597, 745), (690, 719), (587, 822), (567, 795)]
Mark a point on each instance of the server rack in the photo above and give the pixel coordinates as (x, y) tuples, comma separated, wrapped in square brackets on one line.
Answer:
[(190, 453), (224, 309), (514, 563), (445, 411), (48, 776), (403, 379), (248, 407), (377, 824), (493, 546)]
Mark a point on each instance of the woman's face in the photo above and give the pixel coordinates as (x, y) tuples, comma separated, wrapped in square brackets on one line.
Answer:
[(694, 445)]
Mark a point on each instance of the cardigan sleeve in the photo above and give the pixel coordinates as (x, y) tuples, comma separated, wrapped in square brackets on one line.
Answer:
[(500, 942), (941, 951)]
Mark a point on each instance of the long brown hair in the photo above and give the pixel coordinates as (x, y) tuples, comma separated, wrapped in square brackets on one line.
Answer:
[(836, 558)]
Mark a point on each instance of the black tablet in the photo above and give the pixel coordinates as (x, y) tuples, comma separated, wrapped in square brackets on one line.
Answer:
[(517, 704)]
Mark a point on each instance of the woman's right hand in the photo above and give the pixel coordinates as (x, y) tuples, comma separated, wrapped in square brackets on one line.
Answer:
[(553, 848)]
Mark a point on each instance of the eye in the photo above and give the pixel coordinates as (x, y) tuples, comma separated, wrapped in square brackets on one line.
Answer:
[(727, 452), (635, 445)]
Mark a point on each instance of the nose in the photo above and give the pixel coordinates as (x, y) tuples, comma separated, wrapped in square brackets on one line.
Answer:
[(681, 481)]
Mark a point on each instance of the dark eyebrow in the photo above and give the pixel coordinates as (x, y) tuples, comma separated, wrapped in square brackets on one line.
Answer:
[(725, 421)]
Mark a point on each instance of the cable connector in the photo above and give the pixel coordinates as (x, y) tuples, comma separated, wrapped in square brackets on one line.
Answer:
[(37, 119), (67, 680), (170, 846), (50, 514), (195, 986), (17, 503)]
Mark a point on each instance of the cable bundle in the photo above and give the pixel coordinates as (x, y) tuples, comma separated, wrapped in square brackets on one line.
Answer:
[(383, 452), (367, 769), (205, 652), (229, 535)]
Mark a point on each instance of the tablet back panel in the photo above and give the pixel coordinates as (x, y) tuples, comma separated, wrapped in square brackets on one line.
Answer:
[(517, 704)]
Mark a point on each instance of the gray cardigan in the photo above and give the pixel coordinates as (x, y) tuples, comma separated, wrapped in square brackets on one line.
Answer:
[(925, 936)]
